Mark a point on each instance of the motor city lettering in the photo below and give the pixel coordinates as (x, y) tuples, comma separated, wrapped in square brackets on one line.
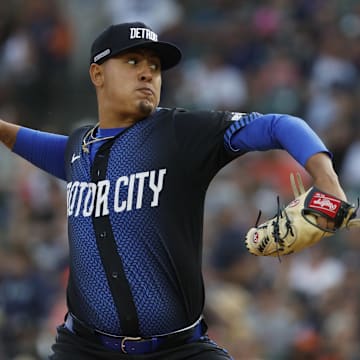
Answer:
[(88, 198)]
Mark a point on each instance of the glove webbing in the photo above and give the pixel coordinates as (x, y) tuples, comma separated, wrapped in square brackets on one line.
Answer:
[(276, 232)]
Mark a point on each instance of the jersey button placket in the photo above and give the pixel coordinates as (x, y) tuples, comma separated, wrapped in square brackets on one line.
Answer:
[(115, 275), (119, 287)]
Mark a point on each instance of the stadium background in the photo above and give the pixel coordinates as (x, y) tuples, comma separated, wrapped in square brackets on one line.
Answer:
[(299, 57)]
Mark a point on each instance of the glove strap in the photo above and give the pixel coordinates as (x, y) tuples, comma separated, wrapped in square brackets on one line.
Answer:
[(326, 205)]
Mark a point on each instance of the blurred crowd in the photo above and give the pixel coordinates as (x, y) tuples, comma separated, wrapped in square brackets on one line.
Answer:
[(298, 57)]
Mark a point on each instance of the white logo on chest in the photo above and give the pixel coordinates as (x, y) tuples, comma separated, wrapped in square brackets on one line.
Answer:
[(86, 199)]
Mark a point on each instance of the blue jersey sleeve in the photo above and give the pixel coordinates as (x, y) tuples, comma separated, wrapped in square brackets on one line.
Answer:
[(44, 150), (277, 131)]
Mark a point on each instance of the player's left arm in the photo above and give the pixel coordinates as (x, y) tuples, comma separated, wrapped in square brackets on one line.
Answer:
[(314, 214), (294, 135)]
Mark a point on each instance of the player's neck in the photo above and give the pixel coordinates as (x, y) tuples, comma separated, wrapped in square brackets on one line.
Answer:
[(119, 120), (119, 123)]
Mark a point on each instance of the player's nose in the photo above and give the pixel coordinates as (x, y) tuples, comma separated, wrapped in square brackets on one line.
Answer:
[(145, 72)]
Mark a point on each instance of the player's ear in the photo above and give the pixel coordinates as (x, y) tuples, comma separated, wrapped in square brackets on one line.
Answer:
[(96, 74)]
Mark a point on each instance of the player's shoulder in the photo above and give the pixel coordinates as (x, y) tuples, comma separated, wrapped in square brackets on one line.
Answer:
[(179, 113), (195, 118)]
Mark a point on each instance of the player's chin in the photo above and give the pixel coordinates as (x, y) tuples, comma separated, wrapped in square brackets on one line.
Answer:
[(146, 107)]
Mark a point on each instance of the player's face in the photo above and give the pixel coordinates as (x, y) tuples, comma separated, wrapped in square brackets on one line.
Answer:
[(132, 83)]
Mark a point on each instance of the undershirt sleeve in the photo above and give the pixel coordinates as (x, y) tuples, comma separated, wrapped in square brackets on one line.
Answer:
[(44, 150), (278, 131)]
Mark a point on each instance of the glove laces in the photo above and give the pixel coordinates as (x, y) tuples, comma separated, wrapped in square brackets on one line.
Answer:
[(279, 241)]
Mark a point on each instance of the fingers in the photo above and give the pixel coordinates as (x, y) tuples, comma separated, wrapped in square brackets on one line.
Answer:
[(297, 185), (325, 223)]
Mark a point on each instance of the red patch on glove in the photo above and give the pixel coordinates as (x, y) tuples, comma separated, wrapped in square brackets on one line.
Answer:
[(325, 204)]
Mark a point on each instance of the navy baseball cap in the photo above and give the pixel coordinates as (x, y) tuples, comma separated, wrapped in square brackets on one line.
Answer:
[(122, 37)]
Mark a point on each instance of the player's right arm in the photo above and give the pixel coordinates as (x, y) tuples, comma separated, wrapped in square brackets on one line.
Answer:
[(8, 133), (44, 150)]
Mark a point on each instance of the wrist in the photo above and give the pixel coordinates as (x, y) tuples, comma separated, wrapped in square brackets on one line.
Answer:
[(329, 183), (321, 169)]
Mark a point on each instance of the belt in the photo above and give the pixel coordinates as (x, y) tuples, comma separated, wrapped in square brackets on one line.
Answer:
[(136, 345)]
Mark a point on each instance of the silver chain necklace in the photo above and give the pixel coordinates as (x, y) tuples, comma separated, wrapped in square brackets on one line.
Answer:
[(90, 138)]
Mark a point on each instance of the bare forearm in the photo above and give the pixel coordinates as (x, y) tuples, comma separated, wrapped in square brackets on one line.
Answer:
[(321, 169), (8, 133)]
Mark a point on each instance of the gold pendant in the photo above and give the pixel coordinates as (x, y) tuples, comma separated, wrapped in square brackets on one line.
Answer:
[(85, 149)]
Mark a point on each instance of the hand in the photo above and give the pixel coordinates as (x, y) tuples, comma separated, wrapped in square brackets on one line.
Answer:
[(307, 219), (8, 133), (325, 223)]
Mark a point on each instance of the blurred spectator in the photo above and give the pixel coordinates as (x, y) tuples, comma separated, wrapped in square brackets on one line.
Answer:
[(314, 272), (350, 171), (277, 85), (228, 255), (18, 58), (36, 54), (227, 249), (227, 314), (211, 83), (331, 68), (273, 321), (25, 299), (158, 14)]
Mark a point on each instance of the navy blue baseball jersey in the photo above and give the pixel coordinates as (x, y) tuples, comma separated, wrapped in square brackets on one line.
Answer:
[(152, 195)]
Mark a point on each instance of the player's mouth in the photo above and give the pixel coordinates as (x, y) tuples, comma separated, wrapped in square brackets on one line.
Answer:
[(146, 91)]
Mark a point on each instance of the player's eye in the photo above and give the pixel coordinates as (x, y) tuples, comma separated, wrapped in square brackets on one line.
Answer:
[(154, 63), (154, 66), (132, 61)]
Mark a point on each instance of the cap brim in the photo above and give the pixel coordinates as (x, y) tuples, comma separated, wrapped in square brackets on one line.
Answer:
[(169, 54)]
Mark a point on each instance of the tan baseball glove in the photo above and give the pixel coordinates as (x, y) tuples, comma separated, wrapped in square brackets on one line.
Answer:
[(295, 227)]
